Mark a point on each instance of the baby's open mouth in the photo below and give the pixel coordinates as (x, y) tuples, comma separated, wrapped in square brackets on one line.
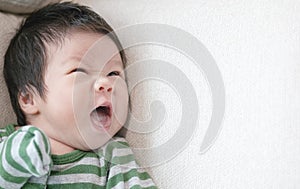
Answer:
[(101, 116)]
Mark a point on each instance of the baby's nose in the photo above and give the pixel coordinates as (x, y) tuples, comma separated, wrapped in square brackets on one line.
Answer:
[(103, 86)]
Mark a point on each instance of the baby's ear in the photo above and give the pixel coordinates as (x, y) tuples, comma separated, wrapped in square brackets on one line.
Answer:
[(28, 103)]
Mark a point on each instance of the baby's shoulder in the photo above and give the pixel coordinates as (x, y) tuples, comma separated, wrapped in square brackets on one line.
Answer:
[(6, 131), (115, 148), (116, 142)]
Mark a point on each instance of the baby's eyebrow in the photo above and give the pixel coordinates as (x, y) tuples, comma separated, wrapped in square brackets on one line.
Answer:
[(75, 58), (90, 64), (71, 60)]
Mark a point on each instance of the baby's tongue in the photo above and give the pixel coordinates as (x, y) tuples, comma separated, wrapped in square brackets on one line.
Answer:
[(102, 117)]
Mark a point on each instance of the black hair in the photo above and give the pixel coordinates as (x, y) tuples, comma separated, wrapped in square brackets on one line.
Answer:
[(25, 58)]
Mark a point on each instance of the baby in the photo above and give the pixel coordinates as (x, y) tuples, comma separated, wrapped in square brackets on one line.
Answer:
[(64, 70)]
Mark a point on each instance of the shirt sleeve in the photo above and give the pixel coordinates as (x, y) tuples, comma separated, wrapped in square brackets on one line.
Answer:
[(124, 172), (23, 154)]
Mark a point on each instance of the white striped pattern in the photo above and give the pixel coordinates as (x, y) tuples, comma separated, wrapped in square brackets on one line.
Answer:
[(77, 178), (83, 161), (121, 152), (39, 180), (6, 184), (9, 169), (112, 140), (42, 164), (123, 168), (16, 142), (2, 130), (134, 181), (2, 139)]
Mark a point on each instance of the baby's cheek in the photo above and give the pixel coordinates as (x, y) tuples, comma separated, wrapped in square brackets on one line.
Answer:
[(120, 100)]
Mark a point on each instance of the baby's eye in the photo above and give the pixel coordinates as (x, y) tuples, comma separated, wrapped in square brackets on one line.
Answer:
[(114, 73), (77, 70)]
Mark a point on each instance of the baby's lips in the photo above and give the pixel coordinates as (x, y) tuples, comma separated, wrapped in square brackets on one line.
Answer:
[(104, 104), (101, 115), (108, 104)]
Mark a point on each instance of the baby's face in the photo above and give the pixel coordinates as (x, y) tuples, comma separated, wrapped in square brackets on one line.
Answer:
[(86, 93)]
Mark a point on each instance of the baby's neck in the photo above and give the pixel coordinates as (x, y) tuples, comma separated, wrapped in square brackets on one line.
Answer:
[(58, 149)]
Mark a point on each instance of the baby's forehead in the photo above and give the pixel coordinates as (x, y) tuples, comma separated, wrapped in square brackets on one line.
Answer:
[(85, 47)]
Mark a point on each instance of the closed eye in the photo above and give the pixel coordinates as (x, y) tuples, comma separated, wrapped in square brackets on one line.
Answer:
[(114, 73), (77, 70)]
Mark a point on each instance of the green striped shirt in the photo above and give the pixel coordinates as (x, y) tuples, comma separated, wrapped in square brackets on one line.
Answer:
[(25, 162)]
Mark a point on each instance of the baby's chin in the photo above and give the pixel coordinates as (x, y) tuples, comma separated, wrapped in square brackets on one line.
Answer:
[(90, 137), (93, 142), (92, 145)]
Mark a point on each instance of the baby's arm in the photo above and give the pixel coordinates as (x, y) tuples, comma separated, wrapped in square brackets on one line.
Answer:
[(124, 172), (23, 154)]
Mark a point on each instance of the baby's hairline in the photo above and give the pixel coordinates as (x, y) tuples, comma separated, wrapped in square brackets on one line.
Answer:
[(60, 42)]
